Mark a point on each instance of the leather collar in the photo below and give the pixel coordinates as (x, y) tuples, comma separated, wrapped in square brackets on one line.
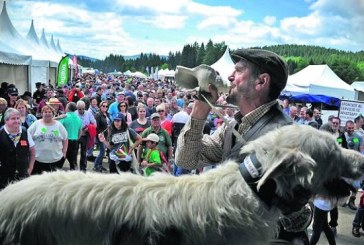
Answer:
[(251, 170)]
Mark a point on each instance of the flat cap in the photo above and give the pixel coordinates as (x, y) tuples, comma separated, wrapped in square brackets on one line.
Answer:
[(267, 61)]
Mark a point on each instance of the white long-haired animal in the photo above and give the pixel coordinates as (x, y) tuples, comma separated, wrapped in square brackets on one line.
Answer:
[(217, 207)]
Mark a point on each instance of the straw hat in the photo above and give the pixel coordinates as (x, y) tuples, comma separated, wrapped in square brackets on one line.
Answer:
[(53, 101)]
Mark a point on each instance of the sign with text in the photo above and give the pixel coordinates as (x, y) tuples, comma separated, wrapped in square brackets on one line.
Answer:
[(349, 110)]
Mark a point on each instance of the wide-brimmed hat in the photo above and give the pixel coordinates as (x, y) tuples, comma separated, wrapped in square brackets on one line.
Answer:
[(152, 137), (201, 76), (53, 101)]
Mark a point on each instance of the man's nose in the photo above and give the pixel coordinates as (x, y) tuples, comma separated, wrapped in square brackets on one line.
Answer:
[(231, 77)]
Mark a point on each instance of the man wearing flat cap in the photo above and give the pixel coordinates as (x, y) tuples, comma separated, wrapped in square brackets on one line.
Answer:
[(256, 82)]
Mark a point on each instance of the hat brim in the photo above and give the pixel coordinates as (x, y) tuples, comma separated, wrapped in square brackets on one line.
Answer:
[(201, 76), (186, 77), (53, 103)]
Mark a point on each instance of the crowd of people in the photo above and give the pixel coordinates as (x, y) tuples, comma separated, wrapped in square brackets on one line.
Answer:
[(125, 119), (349, 136), (98, 117)]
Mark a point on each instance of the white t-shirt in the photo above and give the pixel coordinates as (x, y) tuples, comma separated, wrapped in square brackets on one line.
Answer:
[(48, 141)]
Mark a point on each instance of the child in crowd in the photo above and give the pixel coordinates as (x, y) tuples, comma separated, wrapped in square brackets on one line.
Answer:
[(151, 157)]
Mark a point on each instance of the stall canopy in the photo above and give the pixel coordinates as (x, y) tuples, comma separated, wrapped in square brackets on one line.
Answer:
[(225, 65), (318, 80), (26, 60)]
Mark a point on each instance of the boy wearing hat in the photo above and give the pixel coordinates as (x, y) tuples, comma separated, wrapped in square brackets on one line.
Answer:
[(165, 141), (151, 157), (256, 82)]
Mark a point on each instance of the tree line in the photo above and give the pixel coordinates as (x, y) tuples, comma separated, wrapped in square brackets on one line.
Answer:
[(349, 66)]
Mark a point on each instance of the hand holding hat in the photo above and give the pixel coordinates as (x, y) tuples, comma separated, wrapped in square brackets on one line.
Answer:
[(204, 79)]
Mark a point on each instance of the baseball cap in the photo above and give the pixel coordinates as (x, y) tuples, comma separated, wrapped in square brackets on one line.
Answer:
[(155, 115), (121, 93), (13, 91), (119, 116), (152, 137), (267, 61)]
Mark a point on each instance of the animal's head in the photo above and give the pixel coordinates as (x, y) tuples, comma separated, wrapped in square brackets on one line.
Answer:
[(301, 157)]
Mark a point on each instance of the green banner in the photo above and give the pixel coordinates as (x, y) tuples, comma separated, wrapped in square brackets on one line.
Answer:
[(62, 76)]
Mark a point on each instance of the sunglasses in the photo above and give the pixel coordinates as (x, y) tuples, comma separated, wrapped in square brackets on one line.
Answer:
[(104, 106), (160, 111), (122, 106), (151, 142), (81, 109)]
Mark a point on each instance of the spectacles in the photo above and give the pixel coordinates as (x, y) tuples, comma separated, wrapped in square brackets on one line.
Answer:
[(160, 111)]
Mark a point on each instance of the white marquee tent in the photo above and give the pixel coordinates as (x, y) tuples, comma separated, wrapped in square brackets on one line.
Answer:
[(225, 65), (318, 80), (25, 61)]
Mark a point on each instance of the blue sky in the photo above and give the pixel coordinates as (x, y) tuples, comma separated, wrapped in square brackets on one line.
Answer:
[(129, 27)]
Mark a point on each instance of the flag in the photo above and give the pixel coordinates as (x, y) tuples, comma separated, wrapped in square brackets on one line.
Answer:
[(74, 59), (151, 72), (155, 75), (62, 76)]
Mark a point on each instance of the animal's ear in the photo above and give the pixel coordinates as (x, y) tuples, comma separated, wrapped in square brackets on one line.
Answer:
[(291, 164)]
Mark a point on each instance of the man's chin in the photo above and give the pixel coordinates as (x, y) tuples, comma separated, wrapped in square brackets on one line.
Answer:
[(231, 99)]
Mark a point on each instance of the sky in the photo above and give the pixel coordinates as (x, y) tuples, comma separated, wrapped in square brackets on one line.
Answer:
[(97, 28)]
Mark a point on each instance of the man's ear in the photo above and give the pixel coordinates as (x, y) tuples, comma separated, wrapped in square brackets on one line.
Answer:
[(262, 81), (292, 165)]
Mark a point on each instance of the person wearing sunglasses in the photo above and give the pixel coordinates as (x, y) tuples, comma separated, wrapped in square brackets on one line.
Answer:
[(165, 123), (123, 109), (102, 121), (333, 127), (119, 144)]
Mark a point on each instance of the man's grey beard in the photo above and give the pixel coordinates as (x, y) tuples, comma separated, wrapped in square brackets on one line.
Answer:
[(232, 99)]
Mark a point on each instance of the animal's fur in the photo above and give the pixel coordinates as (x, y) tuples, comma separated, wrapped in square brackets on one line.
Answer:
[(216, 207)]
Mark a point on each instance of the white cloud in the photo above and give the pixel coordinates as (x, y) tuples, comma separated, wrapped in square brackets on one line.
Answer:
[(216, 22), (158, 6), (166, 21), (168, 25), (337, 24), (269, 20)]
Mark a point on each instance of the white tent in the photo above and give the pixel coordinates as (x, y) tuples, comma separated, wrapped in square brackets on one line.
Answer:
[(139, 75), (225, 65), (318, 80), (37, 59), (13, 63), (165, 73)]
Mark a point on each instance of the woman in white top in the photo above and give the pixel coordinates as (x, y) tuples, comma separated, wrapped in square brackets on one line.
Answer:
[(51, 142)]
